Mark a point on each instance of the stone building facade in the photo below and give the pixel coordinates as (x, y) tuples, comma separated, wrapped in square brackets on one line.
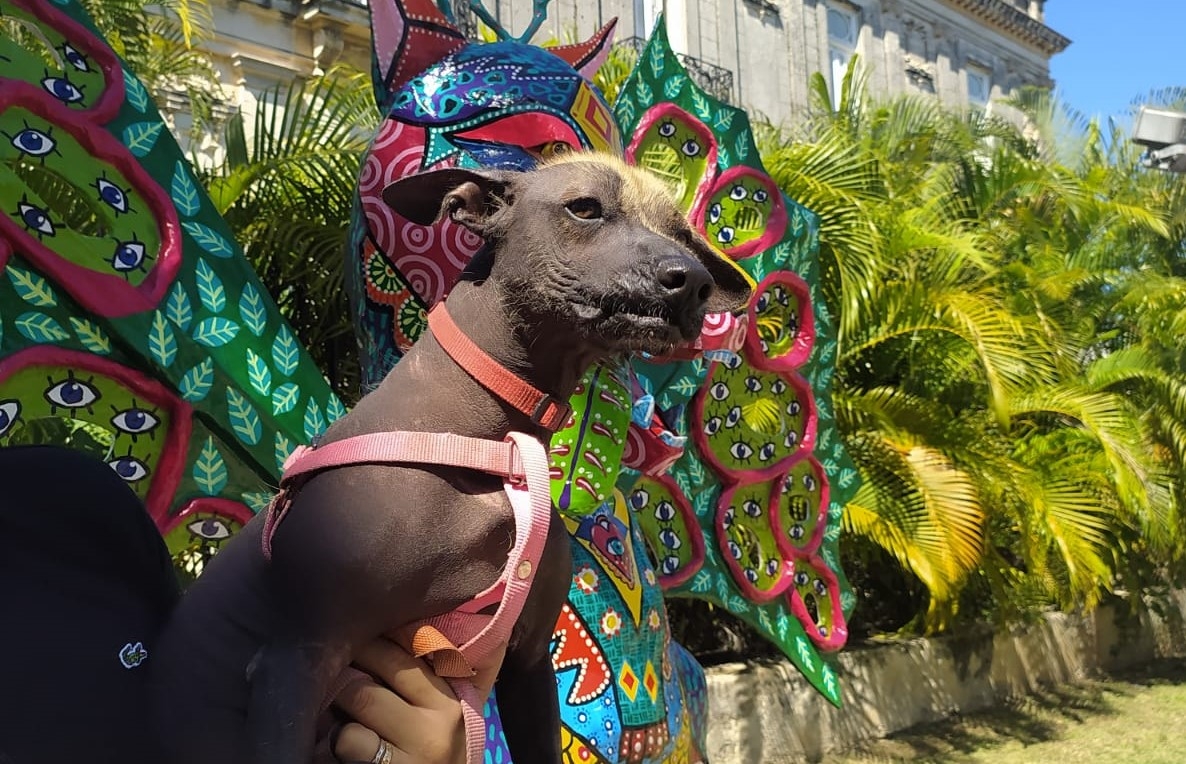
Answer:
[(757, 53)]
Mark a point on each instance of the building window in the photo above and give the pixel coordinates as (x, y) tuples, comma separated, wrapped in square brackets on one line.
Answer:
[(843, 28), (979, 86), (646, 13)]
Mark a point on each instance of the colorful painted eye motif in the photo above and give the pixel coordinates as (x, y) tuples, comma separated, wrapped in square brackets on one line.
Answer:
[(766, 418), (62, 89), (815, 601), (135, 421), (780, 333), (741, 451), (36, 220), (743, 214), (111, 195), (10, 412), (129, 256), (211, 528), (665, 516), (74, 58), (129, 468), (749, 548), (801, 503), (31, 142), (677, 145), (71, 394)]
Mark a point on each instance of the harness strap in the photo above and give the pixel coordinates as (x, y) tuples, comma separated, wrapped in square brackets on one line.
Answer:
[(495, 457), (523, 463), (492, 456)]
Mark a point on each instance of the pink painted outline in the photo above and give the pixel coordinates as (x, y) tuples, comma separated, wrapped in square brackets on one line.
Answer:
[(105, 294), (659, 111), (785, 545), (804, 340), (697, 537), (805, 446), (167, 475), (776, 224), (107, 107), (837, 626), (204, 505), (750, 591)]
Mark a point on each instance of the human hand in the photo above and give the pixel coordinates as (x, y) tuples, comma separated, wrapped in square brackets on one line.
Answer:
[(409, 707)]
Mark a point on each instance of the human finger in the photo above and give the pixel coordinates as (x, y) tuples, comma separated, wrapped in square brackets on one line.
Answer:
[(410, 677), (358, 745)]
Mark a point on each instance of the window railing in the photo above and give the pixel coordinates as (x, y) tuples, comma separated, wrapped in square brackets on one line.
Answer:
[(715, 80)]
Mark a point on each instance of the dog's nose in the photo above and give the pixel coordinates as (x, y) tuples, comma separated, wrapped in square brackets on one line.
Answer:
[(687, 282)]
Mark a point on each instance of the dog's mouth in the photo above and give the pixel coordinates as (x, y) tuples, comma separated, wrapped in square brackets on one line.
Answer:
[(637, 325)]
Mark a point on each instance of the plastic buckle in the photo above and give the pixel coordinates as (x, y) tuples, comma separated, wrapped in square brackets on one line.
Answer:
[(515, 476), (561, 411)]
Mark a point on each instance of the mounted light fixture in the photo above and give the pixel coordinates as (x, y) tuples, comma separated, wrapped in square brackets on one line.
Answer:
[(1163, 134)]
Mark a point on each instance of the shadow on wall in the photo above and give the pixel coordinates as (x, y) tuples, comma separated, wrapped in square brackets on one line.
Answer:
[(1038, 718), (768, 713)]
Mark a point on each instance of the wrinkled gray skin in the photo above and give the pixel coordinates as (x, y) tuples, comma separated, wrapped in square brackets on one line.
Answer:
[(585, 259)]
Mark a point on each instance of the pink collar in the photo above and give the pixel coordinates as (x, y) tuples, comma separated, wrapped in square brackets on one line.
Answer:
[(543, 409)]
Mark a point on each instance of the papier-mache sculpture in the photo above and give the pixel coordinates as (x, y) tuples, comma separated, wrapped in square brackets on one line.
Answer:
[(131, 324), (717, 474), (129, 318)]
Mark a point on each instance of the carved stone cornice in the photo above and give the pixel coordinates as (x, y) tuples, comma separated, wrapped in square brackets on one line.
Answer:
[(1015, 23)]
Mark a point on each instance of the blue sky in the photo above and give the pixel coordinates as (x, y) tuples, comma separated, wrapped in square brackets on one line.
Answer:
[(1119, 51)]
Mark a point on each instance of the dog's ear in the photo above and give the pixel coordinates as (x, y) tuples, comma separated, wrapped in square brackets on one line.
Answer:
[(732, 285), (469, 197)]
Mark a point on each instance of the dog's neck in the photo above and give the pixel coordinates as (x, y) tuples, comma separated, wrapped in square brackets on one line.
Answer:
[(543, 357)]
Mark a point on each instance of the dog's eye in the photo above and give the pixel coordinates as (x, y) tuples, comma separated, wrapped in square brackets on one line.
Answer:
[(554, 149), (585, 208)]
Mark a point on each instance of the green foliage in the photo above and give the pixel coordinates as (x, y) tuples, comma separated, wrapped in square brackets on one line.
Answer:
[(162, 42), (286, 187)]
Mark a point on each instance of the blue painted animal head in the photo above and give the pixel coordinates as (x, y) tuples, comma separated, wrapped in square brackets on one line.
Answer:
[(453, 102)]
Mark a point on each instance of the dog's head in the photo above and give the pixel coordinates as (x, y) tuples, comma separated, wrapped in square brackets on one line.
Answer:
[(587, 244)]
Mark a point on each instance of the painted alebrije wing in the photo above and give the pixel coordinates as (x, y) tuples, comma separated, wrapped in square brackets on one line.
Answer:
[(748, 518), (126, 309)]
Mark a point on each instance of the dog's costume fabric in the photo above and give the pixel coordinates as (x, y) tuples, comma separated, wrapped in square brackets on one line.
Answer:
[(86, 583)]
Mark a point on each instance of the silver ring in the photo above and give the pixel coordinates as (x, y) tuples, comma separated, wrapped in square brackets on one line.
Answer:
[(383, 755)]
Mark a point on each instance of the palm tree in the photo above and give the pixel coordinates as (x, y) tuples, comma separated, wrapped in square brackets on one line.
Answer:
[(286, 187), (969, 269), (161, 41)]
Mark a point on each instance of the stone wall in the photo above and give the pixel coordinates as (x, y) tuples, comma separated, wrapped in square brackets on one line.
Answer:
[(767, 714)]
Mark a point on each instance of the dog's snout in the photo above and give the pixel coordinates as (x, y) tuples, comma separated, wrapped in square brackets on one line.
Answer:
[(685, 280)]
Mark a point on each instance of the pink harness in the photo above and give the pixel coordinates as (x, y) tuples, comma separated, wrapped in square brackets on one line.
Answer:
[(462, 641)]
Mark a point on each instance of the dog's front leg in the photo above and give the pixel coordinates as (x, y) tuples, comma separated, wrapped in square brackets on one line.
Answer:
[(289, 681), (529, 707)]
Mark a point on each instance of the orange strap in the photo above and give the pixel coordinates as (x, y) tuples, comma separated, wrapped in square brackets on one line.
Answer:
[(548, 412)]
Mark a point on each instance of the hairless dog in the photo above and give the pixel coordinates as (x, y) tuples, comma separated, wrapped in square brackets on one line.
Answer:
[(585, 259)]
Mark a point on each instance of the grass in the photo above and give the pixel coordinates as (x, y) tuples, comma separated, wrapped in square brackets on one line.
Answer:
[(1133, 718)]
